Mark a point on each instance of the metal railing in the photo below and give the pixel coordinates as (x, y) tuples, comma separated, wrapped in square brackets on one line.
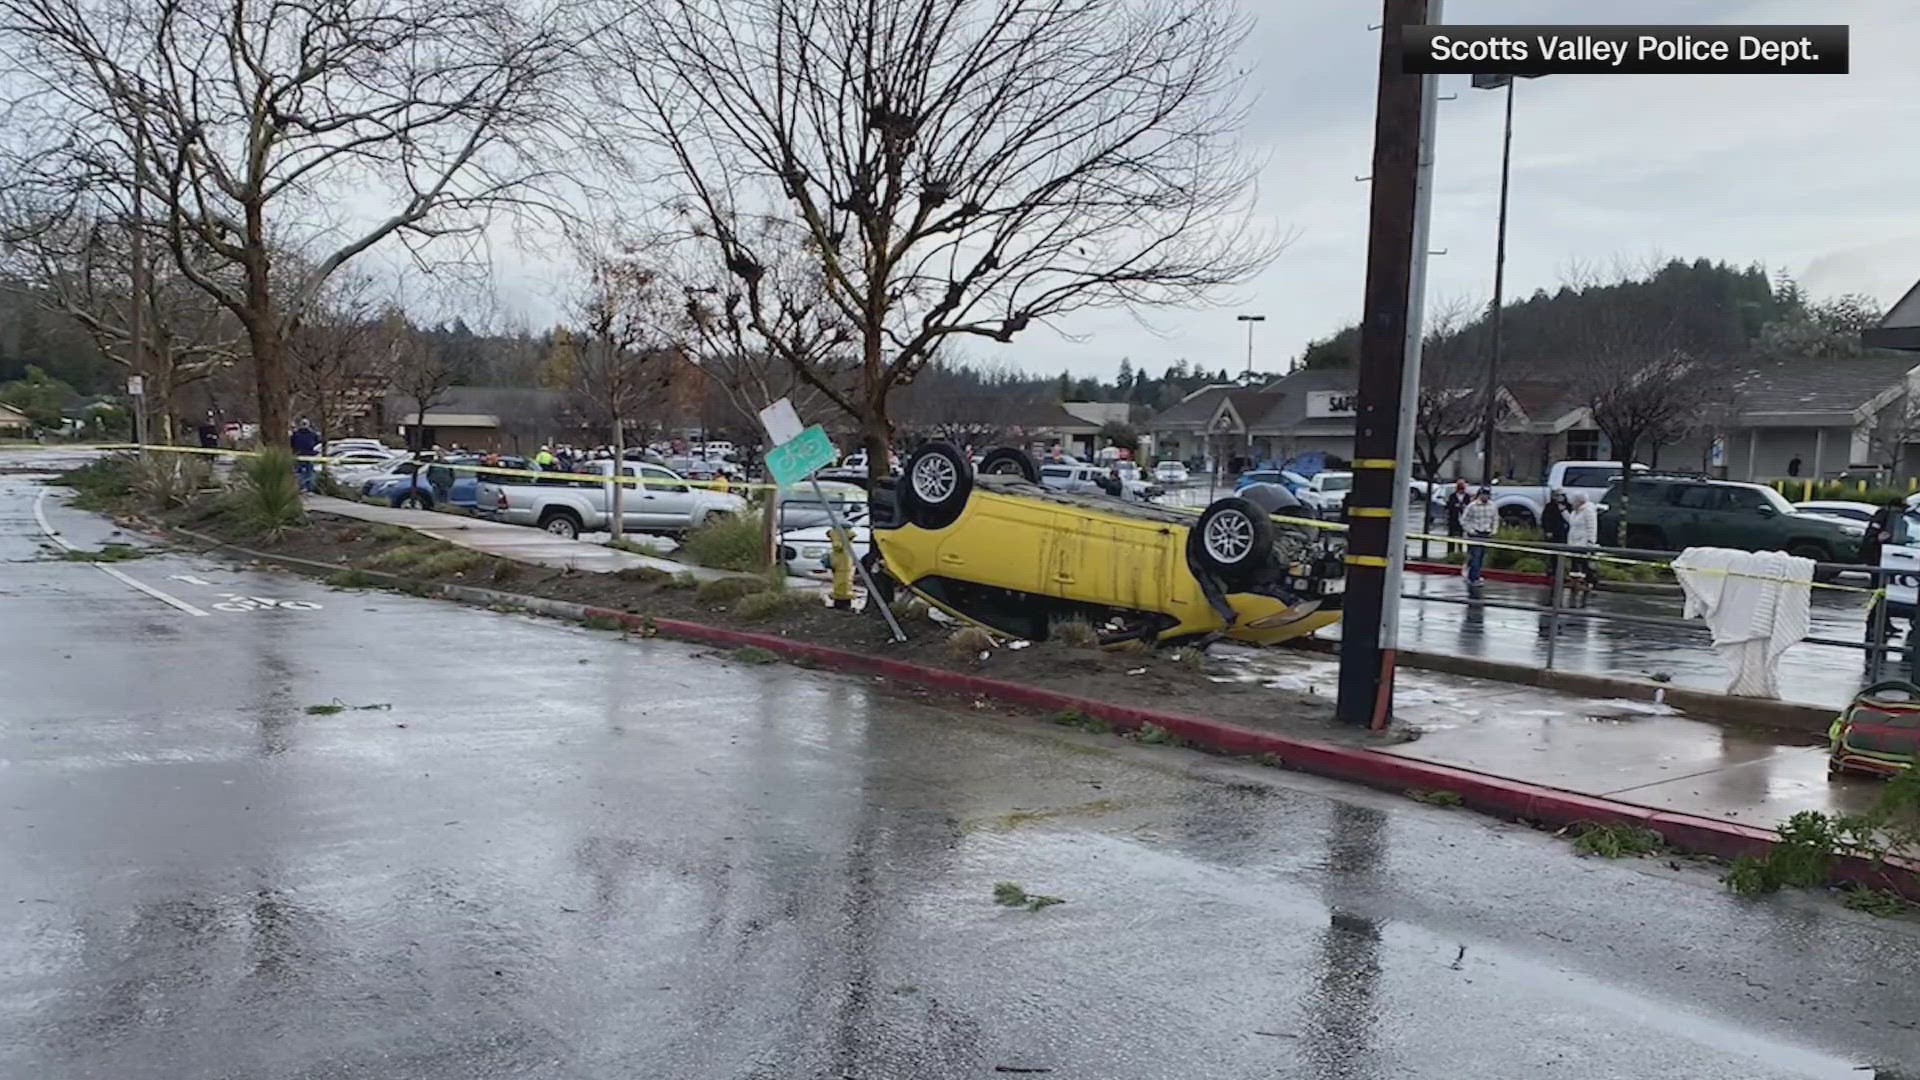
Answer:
[(1879, 655)]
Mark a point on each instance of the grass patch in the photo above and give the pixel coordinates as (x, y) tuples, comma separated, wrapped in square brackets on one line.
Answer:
[(393, 532), (266, 501), (632, 547), (1882, 902), (766, 605), (1151, 734), (908, 608), (1069, 718), (1434, 798), (1075, 634), (728, 542), (645, 575), (754, 654), (166, 481), (682, 580), (968, 642), (597, 621), (404, 557), (107, 553), (1011, 894), (1189, 657), (350, 578), (728, 589), (449, 561), (505, 570), (1615, 839)]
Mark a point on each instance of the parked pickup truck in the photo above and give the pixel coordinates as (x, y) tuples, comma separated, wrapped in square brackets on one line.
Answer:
[(1522, 504), (661, 502)]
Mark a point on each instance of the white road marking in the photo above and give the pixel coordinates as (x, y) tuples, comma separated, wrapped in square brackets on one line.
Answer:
[(191, 580), (40, 516)]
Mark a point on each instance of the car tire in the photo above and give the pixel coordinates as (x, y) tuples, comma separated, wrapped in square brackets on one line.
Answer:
[(1233, 539), (414, 500), (1010, 461), (561, 523), (1517, 516), (1818, 553), (934, 486)]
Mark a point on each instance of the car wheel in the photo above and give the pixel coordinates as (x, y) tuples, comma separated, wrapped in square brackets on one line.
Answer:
[(1232, 538), (416, 501), (1818, 554), (1010, 461), (561, 523), (936, 485), (1518, 516)]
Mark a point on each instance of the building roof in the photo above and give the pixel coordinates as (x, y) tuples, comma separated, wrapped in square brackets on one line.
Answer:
[(1196, 412), (1054, 417), (1900, 327), (1288, 396), (1801, 387), (11, 415)]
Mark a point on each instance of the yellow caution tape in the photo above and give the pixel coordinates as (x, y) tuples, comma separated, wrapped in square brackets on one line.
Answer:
[(1367, 560), (1369, 511), (1373, 463)]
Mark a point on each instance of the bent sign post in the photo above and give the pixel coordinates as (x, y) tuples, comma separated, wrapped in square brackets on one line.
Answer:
[(797, 457)]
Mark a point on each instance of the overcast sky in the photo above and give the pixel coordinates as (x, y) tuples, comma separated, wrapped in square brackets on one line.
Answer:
[(1818, 175)]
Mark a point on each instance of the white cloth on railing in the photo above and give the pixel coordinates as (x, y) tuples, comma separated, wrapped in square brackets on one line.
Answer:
[(1757, 603)]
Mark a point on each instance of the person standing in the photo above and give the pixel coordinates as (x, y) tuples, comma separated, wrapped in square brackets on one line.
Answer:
[(1480, 520), (1583, 530), (305, 442), (1553, 525), (1457, 501)]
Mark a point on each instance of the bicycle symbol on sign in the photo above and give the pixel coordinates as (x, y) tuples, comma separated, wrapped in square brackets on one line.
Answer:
[(236, 602)]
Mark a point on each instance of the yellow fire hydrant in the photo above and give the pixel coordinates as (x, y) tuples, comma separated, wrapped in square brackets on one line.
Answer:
[(842, 563)]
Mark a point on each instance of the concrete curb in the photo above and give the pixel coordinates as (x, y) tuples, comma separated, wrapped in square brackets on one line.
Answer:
[(1518, 800)]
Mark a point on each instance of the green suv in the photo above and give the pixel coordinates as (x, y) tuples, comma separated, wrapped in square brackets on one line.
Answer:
[(1670, 513)]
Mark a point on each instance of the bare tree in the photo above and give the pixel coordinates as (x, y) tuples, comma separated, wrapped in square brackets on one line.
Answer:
[(340, 358), (1889, 432), (1453, 400), (419, 371), (1640, 389), (85, 268), (622, 362), (244, 125), (949, 170)]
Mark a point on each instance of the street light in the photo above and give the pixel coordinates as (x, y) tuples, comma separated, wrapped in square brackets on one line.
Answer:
[(1494, 82), (1250, 320)]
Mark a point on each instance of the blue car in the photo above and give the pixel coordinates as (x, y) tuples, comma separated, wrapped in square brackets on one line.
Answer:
[(424, 485)]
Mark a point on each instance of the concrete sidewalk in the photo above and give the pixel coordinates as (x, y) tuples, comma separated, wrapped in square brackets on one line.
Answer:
[(514, 542), (1631, 751)]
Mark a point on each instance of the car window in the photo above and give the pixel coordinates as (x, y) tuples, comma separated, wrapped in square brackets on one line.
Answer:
[(1587, 476), (1745, 500), (657, 477), (1646, 491), (1336, 483), (1770, 497), (1905, 528), (1056, 471), (1698, 497)]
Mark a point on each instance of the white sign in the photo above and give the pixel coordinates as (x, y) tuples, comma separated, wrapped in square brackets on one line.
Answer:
[(137, 385), (1328, 403), (782, 422)]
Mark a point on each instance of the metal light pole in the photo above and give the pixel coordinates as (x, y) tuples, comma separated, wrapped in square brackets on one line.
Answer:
[(1494, 82), (1250, 320)]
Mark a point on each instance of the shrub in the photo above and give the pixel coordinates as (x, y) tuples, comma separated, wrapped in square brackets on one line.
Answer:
[(1501, 558), (683, 580), (728, 589), (404, 557), (1075, 634), (766, 605), (908, 608), (1531, 564), (728, 542), (449, 561), (1615, 839), (645, 575), (167, 481), (597, 621), (505, 570), (101, 482), (969, 642), (267, 497), (349, 578)]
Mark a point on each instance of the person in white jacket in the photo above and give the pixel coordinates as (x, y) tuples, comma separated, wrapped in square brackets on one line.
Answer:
[(1583, 530)]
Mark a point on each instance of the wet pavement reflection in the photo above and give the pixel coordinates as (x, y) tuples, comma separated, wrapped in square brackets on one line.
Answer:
[(555, 852)]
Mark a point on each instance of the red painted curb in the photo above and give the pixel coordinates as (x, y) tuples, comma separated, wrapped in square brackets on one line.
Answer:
[(1515, 799)]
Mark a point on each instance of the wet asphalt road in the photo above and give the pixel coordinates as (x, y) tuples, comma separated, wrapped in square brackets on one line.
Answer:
[(560, 854)]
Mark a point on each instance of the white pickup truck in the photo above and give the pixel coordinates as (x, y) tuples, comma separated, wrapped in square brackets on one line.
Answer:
[(1522, 504), (660, 502)]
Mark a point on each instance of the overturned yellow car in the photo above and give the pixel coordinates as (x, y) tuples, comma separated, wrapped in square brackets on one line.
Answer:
[(996, 548)]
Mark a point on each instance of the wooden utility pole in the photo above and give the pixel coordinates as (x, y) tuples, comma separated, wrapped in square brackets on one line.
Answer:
[(1389, 373)]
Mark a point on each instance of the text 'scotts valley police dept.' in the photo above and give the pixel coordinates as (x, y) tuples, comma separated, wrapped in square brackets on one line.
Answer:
[(1645, 48)]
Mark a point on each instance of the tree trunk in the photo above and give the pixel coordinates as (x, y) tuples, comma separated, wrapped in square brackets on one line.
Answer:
[(270, 383), (1626, 485), (616, 519)]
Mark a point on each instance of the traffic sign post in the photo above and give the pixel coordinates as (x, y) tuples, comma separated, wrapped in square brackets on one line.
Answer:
[(797, 458)]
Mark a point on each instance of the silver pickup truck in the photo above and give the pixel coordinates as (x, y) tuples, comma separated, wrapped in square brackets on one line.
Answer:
[(657, 500)]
